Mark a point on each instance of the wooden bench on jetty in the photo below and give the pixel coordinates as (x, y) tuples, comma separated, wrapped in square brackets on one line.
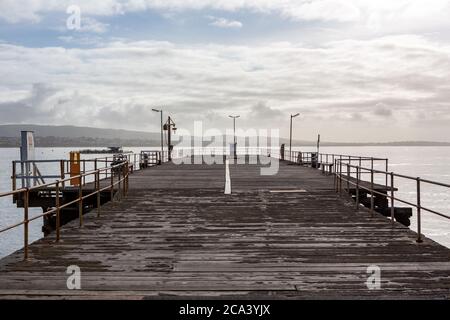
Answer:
[(172, 232)]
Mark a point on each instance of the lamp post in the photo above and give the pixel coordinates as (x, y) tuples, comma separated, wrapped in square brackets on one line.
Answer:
[(234, 133), (169, 126), (318, 144), (290, 136), (162, 139)]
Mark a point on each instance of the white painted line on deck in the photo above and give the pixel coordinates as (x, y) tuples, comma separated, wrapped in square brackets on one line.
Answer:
[(227, 177)]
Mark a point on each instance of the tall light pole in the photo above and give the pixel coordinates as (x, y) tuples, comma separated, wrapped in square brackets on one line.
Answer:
[(290, 136), (169, 126), (234, 133), (162, 135), (318, 144)]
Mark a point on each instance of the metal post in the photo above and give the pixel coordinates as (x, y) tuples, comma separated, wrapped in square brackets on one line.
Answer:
[(57, 204), (360, 165), (335, 175), (419, 211), (106, 165), (348, 178), (84, 171), (162, 138), (80, 203), (119, 189), (13, 177), (97, 178), (127, 181), (357, 188), (392, 199), (61, 167), (125, 173), (112, 185), (234, 141), (372, 200), (169, 140), (387, 168), (290, 136), (290, 140), (25, 224), (340, 177), (22, 173), (234, 135)]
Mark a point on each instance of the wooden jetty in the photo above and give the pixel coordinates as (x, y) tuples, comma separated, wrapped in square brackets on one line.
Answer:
[(177, 235)]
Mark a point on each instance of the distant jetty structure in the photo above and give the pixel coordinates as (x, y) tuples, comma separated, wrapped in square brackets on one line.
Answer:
[(109, 150)]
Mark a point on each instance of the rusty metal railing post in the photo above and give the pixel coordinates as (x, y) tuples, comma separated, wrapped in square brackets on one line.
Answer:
[(392, 199), (357, 188), (25, 224), (97, 186), (387, 174), (106, 165), (125, 174), (372, 200), (360, 165), (13, 176), (371, 164), (112, 185), (58, 217), (335, 175), (419, 212), (128, 180), (62, 173), (340, 177), (84, 171), (348, 178), (80, 203), (119, 188)]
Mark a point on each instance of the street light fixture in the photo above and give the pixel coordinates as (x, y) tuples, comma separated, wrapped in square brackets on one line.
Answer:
[(162, 135), (290, 136), (234, 133)]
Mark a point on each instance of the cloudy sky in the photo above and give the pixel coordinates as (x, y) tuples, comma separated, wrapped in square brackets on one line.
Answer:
[(356, 70)]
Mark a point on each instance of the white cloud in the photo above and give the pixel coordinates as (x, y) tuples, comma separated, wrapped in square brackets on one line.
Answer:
[(92, 25), (332, 86), (225, 23), (378, 16)]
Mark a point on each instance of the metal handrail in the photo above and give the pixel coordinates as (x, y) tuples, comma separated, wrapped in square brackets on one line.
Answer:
[(64, 166), (122, 190), (121, 169), (341, 177), (331, 158)]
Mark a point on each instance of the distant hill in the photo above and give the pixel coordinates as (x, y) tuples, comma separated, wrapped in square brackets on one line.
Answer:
[(13, 130), (72, 136)]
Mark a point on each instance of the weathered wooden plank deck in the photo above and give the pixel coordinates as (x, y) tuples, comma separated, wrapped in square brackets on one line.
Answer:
[(177, 234)]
